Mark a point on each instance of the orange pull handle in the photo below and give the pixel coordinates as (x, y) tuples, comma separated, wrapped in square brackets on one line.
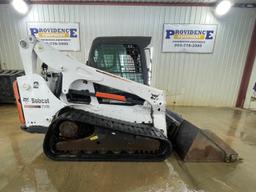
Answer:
[(111, 96)]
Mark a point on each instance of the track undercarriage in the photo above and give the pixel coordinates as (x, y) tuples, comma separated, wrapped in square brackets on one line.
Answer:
[(80, 135)]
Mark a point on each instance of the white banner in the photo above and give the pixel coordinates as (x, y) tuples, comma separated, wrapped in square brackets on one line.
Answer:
[(63, 36), (189, 38)]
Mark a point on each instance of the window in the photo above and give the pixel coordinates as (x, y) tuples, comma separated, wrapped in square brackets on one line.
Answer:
[(120, 59)]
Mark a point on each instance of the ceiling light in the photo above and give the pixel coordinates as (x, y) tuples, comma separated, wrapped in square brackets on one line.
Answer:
[(223, 7), (20, 6)]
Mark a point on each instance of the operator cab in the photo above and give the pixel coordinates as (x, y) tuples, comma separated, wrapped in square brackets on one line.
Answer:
[(123, 56)]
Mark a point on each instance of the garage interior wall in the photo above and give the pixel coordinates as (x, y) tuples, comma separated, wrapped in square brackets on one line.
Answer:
[(188, 79)]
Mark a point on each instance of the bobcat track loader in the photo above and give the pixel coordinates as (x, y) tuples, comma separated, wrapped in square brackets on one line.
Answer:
[(89, 112)]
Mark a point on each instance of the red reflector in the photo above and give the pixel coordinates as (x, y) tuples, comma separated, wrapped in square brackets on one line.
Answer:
[(18, 102)]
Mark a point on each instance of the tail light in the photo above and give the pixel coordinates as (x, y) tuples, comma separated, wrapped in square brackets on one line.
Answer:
[(18, 102)]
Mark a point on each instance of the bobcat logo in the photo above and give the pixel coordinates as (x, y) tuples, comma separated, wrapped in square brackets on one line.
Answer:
[(154, 97)]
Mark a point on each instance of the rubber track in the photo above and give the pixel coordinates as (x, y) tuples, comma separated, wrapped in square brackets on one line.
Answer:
[(81, 116)]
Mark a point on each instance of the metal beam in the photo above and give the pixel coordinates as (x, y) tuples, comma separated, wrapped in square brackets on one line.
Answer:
[(131, 3), (116, 3)]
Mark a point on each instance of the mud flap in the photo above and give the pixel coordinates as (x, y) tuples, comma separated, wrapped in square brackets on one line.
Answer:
[(195, 145)]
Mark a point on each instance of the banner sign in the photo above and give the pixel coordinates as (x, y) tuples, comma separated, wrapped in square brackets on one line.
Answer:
[(189, 38), (63, 36)]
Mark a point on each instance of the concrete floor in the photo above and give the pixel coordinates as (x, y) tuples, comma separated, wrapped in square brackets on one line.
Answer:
[(23, 166)]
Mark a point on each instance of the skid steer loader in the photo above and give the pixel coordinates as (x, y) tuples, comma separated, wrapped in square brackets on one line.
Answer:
[(98, 112)]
